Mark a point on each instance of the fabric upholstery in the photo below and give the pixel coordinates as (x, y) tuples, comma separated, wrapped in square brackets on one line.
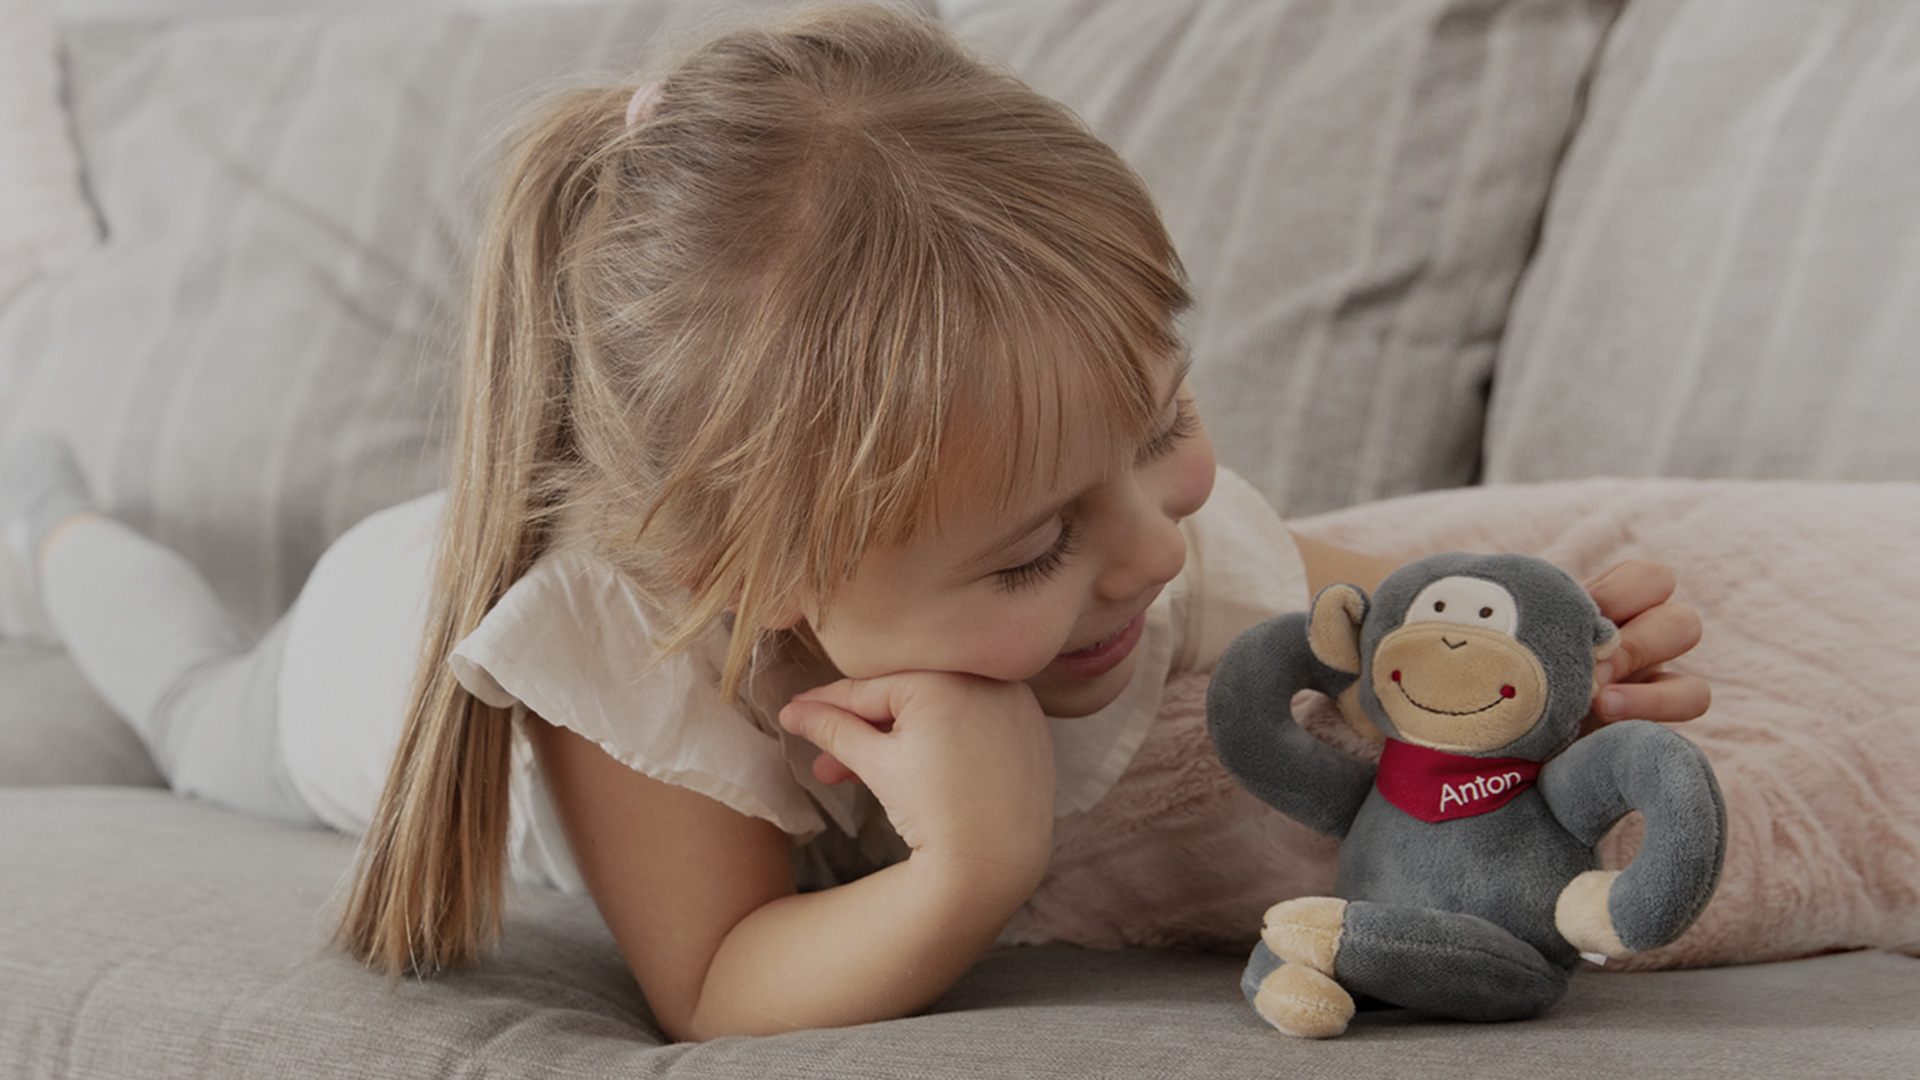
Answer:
[(1354, 188), (1728, 277), (184, 940)]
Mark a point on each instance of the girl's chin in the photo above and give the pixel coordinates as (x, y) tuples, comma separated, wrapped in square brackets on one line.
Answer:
[(1068, 698)]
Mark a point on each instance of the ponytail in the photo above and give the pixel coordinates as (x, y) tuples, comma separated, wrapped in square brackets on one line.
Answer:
[(429, 890)]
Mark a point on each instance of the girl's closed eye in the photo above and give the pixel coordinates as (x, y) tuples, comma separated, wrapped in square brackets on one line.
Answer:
[(1186, 423), (1027, 574)]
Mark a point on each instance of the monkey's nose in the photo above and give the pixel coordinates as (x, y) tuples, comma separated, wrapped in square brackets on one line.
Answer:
[(1453, 644)]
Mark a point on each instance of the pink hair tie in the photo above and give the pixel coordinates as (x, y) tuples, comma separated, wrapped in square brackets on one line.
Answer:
[(642, 103)]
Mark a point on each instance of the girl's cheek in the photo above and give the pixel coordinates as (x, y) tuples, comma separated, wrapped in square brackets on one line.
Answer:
[(1194, 481), (1022, 644), (1014, 655)]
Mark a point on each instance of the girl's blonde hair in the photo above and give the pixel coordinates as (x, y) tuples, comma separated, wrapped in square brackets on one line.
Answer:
[(732, 339)]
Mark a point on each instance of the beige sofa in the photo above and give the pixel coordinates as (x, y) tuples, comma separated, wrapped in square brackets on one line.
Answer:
[(1435, 243)]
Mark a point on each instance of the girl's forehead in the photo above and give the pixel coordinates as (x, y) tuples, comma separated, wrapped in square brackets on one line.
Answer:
[(1016, 453)]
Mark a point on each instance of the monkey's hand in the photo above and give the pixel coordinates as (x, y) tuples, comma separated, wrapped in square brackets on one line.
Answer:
[(1583, 919)]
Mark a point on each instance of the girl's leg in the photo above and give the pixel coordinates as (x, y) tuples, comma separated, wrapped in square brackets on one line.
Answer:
[(146, 630)]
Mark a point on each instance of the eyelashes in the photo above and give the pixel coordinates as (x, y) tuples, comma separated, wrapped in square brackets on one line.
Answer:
[(1186, 423), (1015, 578)]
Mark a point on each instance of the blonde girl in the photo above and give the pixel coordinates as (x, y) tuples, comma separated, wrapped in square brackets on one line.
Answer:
[(818, 530)]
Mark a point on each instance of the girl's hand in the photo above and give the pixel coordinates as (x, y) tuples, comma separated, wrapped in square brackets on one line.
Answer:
[(963, 765), (1654, 628)]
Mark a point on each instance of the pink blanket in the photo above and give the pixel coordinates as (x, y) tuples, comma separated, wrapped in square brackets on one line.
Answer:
[(1810, 594)]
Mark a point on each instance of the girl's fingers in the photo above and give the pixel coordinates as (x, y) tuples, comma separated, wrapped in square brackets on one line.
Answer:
[(845, 736), (874, 700), (1655, 636), (1626, 590), (1660, 696), (831, 770)]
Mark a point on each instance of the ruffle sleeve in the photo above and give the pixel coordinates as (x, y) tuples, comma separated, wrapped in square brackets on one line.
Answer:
[(575, 642), (1242, 569)]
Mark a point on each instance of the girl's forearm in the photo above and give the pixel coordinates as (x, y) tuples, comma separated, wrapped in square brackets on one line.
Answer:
[(886, 945)]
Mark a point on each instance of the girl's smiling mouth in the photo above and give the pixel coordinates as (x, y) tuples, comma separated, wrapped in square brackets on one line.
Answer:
[(1102, 656)]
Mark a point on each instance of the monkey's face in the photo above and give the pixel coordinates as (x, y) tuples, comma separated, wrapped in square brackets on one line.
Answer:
[(1453, 677)]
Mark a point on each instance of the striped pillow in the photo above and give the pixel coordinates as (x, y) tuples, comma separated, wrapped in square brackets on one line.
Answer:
[(1354, 187), (259, 355), (1729, 283)]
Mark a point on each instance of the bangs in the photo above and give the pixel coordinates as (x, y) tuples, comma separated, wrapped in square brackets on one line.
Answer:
[(1038, 389), (955, 308)]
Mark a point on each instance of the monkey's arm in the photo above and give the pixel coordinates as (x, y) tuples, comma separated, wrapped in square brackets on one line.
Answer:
[(1250, 716), (1637, 765)]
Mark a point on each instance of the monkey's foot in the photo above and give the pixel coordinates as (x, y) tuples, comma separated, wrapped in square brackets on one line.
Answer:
[(1306, 931), (1583, 918), (1301, 1002)]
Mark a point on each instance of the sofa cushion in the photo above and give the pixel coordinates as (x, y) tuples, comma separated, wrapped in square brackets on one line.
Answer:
[(148, 936), (1728, 277), (1354, 187)]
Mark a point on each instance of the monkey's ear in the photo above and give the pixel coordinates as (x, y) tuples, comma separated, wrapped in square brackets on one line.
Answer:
[(1606, 638), (1334, 630)]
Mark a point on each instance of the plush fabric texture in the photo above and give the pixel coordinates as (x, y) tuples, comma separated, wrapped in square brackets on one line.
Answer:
[(1808, 592), (1726, 282), (289, 203), (1354, 188), (150, 937), (45, 222)]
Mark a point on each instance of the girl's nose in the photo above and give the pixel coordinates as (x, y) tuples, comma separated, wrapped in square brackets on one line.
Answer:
[(1153, 551)]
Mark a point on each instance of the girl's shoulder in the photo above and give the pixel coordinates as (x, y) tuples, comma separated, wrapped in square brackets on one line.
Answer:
[(1242, 569)]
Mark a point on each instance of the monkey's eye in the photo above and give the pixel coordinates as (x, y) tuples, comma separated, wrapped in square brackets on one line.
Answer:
[(1467, 601)]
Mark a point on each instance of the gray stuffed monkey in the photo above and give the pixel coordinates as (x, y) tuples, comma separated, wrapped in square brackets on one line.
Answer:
[(1468, 883)]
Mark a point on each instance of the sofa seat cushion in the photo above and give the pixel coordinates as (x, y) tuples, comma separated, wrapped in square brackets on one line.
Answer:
[(143, 935)]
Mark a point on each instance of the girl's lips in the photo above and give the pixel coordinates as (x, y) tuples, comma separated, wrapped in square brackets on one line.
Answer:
[(1102, 656)]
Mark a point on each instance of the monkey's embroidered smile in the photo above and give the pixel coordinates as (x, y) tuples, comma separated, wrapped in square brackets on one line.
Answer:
[(1506, 693)]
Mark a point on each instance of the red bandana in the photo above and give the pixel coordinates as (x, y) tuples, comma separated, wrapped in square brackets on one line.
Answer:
[(1436, 786)]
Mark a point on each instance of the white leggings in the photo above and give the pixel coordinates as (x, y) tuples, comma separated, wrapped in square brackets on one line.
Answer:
[(147, 631)]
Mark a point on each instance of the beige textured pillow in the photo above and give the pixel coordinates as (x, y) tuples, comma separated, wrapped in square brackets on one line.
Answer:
[(1355, 187), (259, 354), (1812, 732), (44, 219), (1729, 283)]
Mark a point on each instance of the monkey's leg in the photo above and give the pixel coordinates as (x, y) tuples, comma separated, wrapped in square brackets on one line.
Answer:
[(1444, 962), (1294, 998)]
